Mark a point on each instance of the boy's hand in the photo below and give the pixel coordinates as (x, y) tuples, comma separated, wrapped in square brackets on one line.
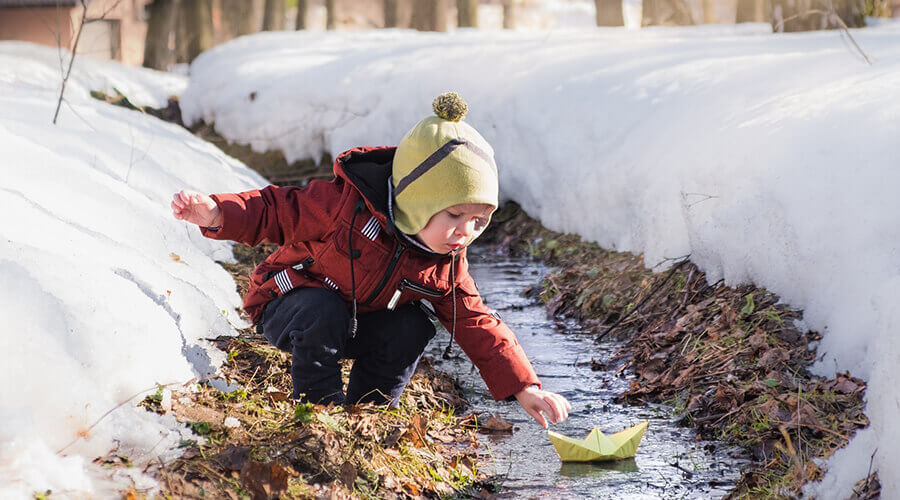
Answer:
[(536, 401), (196, 208)]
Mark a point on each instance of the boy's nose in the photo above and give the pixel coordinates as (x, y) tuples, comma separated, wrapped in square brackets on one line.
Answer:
[(466, 229)]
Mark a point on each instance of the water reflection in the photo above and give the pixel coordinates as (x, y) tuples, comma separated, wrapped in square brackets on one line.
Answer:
[(596, 469)]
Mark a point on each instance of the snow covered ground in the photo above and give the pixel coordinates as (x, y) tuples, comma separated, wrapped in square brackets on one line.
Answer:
[(104, 294), (769, 159)]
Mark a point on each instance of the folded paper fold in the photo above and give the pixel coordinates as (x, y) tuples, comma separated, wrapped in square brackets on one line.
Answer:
[(597, 446)]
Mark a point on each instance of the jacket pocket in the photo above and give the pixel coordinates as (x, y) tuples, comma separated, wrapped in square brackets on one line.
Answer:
[(413, 287)]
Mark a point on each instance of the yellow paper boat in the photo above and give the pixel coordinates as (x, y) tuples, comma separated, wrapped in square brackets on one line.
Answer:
[(598, 446)]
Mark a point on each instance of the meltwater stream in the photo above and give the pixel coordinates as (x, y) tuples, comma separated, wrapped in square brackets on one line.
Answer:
[(669, 463)]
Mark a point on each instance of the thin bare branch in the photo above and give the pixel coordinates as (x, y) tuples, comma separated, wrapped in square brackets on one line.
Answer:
[(835, 17), (846, 31), (62, 90)]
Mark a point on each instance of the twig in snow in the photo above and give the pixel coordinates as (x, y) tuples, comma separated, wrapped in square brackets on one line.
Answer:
[(62, 90), (84, 20), (706, 197), (835, 17), (869, 473), (86, 432)]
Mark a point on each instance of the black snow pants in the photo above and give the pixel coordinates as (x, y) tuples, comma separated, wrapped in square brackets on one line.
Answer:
[(312, 324)]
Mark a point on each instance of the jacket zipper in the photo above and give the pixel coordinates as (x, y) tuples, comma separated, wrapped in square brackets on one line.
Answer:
[(387, 274), (307, 262), (404, 284)]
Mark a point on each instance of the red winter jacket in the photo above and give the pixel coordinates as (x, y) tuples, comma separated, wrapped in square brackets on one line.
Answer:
[(312, 227)]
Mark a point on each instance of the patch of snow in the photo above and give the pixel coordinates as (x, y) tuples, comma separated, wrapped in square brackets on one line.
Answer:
[(105, 294)]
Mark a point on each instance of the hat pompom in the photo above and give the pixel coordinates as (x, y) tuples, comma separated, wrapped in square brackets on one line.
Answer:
[(450, 106)]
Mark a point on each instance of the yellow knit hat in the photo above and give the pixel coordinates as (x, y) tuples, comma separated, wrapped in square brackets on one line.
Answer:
[(441, 162)]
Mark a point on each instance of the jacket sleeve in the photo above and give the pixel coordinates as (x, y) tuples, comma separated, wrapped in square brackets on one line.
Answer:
[(276, 214), (487, 341)]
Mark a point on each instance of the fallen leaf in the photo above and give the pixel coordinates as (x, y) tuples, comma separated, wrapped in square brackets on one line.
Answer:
[(348, 474), (418, 426), (233, 458), (264, 480), (390, 440), (496, 423), (772, 358)]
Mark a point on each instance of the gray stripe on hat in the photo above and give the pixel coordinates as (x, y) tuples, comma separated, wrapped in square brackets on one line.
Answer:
[(482, 153), (426, 165)]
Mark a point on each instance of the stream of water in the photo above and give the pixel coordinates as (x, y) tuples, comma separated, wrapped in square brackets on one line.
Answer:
[(670, 462)]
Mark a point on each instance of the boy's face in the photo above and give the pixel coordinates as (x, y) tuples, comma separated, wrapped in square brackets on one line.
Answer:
[(453, 228)]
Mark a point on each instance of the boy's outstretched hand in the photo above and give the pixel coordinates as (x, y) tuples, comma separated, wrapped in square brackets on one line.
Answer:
[(196, 208), (538, 402)]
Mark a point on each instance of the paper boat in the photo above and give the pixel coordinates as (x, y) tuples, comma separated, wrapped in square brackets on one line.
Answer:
[(598, 446)]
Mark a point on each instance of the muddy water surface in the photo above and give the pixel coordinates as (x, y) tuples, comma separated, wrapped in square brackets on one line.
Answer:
[(670, 462)]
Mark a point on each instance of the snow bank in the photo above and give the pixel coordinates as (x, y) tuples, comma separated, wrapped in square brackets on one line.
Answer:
[(105, 294), (769, 159)]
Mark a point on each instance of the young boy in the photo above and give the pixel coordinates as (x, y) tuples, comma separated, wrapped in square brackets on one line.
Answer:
[(358, 254)]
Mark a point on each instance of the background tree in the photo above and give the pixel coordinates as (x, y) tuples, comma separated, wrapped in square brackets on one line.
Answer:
[(273, 15), (429, 15), (753, 11), (391, 13), (160, 25), (609, 13), (302, 20), (240, 17), (709, 11), (665, 13), (193, 32), (807, 15), (509, 14), (331, 14), (467, 13)]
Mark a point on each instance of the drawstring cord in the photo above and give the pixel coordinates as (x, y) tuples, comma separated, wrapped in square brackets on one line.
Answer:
[(453, 294), (360, 204)]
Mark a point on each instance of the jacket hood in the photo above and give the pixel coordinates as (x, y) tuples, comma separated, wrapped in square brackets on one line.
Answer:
[(368, 170)]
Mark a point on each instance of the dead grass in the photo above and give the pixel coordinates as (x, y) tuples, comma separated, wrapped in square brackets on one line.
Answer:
[(255, 442)]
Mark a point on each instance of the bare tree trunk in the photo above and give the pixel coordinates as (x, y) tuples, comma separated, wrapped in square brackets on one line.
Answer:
[(159, 28), (509, 14), (302, 20), (753, 11), (808, 15), (709, 11), (609, 13), (240, 16), (273, 15), (331, 14), (666, 13), (194, 33), (429, 15), (467, 13), (391, 13)]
